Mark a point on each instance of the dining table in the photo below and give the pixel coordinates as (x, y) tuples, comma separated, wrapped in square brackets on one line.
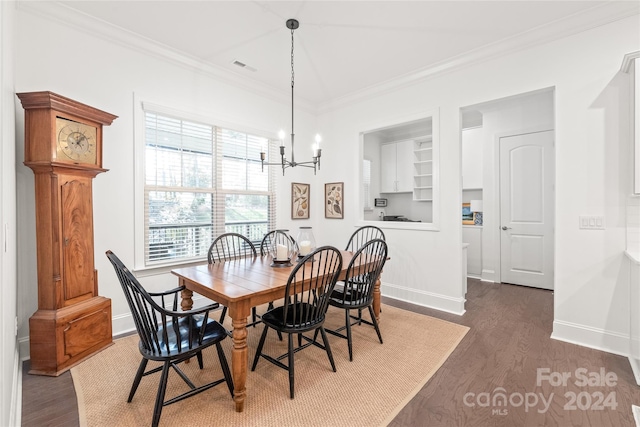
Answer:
[(241, 284)]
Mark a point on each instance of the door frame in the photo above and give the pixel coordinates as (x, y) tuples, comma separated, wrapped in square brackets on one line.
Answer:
[(496, 205)]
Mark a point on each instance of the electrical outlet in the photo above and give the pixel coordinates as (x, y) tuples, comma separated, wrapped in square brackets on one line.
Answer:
[(591, 222)]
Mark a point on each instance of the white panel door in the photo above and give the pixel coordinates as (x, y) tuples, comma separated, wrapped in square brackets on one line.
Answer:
[(526, 209)]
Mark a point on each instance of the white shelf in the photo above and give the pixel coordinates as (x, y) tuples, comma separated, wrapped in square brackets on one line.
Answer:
[(423, 171)]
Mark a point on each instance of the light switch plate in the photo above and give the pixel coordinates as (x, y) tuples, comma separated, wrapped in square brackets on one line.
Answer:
[(591, 222)]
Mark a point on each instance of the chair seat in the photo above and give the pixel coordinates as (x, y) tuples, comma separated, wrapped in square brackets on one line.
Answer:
[(275, 318), (349, 298), (214, 332)]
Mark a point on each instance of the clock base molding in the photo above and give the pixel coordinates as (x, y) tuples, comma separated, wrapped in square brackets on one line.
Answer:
[(60, 339)]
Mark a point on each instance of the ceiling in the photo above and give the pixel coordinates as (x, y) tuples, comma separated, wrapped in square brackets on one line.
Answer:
[(343, 48)]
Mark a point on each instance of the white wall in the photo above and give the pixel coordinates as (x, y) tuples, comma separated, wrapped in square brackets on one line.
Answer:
[(591, 292), (106, 75), (10, 410)]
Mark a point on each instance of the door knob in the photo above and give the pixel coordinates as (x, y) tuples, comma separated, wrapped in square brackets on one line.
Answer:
[(505, 228)]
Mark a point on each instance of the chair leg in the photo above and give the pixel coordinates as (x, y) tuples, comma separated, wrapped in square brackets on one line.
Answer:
[(162, 388), (375, 323), (254, 316), (136, 381), (291, 370), (224, 313), (225, 367), (200, 362), (259, 349), (349, 342), (327, 347)]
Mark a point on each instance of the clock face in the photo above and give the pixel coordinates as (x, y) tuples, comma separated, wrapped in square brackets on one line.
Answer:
[(76, 141)]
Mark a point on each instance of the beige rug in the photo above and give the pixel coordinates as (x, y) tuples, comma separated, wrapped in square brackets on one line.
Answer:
[(369, 391)]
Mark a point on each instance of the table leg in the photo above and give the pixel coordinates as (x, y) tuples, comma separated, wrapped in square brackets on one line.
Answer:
[(187, 302), (376, 299), (239, 354)]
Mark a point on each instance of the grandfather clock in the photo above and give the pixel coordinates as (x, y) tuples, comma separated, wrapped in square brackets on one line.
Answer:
[(63, 147)]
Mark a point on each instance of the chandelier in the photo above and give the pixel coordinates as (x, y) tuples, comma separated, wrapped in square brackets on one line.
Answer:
[(293, 24)]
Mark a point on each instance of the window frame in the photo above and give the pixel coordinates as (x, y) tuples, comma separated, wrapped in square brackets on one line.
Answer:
[(380, 124), (141, 267)]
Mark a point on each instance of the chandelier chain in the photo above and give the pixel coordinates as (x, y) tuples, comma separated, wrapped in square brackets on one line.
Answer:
[(292, 70)]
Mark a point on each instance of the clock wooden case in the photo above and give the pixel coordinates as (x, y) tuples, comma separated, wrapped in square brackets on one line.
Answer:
[(63, 147)]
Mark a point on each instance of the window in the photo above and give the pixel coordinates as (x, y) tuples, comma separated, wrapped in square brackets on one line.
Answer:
[(400, 163), (201, 181)]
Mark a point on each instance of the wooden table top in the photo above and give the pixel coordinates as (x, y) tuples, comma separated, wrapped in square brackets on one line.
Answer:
[(241, 279)]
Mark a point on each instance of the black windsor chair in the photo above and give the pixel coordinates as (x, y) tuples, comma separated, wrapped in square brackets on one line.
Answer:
[(267, 241), (169, 336), (230, 246), (358, 294), (362, 235), (359, 237), (306, 299)]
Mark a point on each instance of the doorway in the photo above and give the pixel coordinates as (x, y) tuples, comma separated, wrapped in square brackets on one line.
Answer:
[(512, 140)]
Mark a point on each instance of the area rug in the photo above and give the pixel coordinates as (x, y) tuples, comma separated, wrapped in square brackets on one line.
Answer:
[(369, 391)]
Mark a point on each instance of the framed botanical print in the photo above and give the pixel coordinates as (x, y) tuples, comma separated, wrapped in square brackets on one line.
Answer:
[(334, 200), (299, 200)]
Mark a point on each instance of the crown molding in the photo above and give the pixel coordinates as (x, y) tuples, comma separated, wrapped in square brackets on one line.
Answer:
[(591, 18), (628, 59), (67, 16)]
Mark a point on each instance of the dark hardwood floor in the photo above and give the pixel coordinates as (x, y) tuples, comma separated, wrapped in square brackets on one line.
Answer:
[(506, 351)]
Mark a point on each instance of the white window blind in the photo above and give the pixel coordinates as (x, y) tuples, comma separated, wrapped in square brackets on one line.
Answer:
[(201, 181)]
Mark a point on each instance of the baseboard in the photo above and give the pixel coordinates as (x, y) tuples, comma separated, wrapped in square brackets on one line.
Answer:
[(635, 367), (23, 348), (595, 338), (489, 276), (15, 414), (424, 299), (122, 324)]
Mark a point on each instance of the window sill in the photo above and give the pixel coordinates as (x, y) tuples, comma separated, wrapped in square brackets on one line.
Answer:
[(164, 269)]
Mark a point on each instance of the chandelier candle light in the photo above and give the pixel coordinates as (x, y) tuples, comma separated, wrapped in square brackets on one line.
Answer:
[(306, 242), (293, 24), (281, 249)]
